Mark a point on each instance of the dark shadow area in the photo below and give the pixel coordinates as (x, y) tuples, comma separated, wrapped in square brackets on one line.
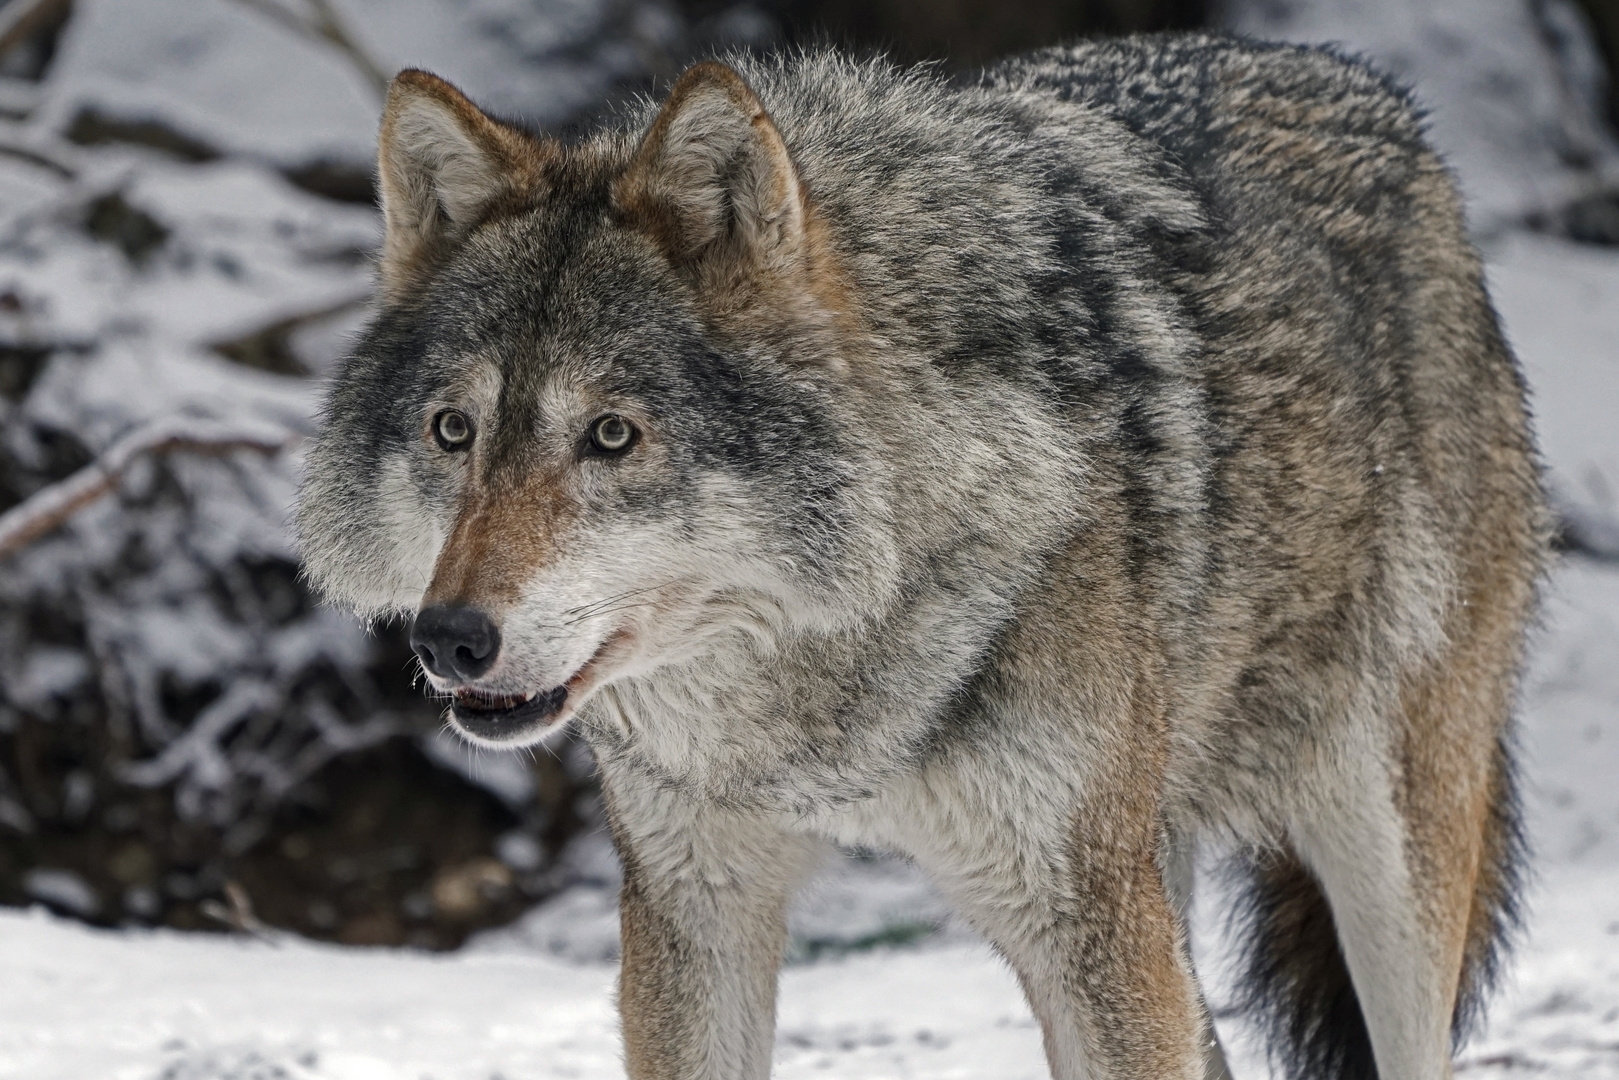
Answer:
[(968, 33)]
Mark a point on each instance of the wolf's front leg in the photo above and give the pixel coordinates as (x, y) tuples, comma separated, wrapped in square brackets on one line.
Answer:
[(1106, 973), (703, 912), (1110, 979), (1071, 891)]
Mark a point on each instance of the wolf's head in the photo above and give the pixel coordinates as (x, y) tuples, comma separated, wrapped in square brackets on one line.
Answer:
[(596, 426)]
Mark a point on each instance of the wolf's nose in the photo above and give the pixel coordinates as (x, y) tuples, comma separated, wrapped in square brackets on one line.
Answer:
[(455, 642)]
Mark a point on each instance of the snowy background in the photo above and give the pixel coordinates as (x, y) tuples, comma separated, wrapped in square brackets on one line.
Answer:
[(187, 742)]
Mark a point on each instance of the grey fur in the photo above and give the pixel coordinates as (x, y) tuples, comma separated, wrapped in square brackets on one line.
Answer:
[(1160, 471)]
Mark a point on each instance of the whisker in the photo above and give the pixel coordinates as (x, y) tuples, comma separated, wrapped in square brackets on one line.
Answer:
[(610, 599), (609, 611), (615, 597)]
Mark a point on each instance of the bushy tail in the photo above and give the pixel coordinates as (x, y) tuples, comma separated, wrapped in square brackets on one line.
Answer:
[(1496, 919), (1295, 983)]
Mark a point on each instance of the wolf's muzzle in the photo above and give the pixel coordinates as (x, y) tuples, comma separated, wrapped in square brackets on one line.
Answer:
[(455, 643)]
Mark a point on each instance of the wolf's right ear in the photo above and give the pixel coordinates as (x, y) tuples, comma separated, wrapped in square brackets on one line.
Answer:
[(441, 162)]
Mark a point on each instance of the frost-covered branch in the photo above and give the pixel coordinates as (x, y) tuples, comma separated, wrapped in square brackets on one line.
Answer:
[(198, 750), (321, 23), (27, 142), (37, 155), (51, 506)]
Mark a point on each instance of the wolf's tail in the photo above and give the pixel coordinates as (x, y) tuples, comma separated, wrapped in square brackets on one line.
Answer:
[(1496, 919), (1295, 983)]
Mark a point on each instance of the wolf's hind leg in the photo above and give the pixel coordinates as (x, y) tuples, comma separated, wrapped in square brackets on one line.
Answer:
[(1404, 983), (1415, 848)]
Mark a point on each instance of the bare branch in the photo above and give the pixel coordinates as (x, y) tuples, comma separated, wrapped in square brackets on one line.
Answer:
[(38, 147), (322, 23), (21, 18), (51, 506), (335, 30), (36, 155), (268, 347), (199, 751)]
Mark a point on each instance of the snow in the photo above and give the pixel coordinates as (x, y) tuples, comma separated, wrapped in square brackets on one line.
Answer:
[(1557, 305), (234, 80), (80, 1004)]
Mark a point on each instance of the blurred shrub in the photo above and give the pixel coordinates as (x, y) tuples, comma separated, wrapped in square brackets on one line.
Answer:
[(968, 32), (1604, 17)]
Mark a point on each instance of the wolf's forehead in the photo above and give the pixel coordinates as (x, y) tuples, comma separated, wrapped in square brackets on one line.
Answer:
[(558, 280)]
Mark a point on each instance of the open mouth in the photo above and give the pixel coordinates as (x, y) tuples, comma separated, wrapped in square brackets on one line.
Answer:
[(501, 716), (520, 718)]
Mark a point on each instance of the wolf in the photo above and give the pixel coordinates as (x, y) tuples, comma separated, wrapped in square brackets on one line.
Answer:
[(1039, 475)]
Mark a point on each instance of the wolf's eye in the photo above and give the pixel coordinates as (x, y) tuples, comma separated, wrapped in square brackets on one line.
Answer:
[(452, 429), (611, 434)]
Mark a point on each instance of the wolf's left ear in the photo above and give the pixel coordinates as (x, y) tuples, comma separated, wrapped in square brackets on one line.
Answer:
[(712, 170), (440, 163)]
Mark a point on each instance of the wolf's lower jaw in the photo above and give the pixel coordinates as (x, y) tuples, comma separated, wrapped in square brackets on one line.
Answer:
[(495, 718)]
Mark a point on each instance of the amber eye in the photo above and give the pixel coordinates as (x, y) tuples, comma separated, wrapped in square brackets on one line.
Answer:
[(611, 434), (453, 430)]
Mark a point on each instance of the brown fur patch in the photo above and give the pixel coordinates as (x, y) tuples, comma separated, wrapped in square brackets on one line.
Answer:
[(648, 1001), (1129, 962), (506, 530), (1454, 793)]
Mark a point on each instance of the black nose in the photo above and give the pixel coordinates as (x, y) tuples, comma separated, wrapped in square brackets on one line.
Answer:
[(455, 642)]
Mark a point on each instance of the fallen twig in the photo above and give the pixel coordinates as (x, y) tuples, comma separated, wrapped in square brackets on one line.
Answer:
[(237, 913), (51, 506)]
